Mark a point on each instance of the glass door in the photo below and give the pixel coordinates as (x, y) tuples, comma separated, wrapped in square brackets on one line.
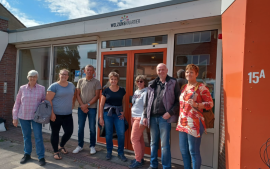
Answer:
[(130, 64)]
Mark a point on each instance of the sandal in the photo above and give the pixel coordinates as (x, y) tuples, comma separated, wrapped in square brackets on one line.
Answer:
[(63, 150), (57, 156)]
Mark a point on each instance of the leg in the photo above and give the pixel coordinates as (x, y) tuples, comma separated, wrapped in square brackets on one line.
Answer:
[(26, 130), (137, 138), (55, 126), (68, 129), (92, 126), (194, 148), (37, 128), (165, 131), (81, 123), (120, 131), (108, 120), (183, 144), (155, 135)]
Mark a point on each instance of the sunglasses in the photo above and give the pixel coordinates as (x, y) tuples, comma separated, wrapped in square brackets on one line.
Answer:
[(140, 81)]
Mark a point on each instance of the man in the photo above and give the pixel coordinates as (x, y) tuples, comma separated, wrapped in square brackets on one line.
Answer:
[(161, 109), (88, 90), (181, 78)]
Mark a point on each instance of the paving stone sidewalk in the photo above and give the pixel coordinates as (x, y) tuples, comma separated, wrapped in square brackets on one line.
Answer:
[(81, 160)]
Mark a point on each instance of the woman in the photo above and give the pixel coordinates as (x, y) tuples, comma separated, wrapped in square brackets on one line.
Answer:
[(112, 102), (62, 96), (138, 101), (27, 101), (191, 123)]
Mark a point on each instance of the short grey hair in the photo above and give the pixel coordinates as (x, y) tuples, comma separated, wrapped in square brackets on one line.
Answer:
[(32, 73), (89, 66), (162, 64)]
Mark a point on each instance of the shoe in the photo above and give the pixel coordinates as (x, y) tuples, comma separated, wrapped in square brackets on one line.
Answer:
[(152, 168), (92, 150), (25, 158), (122, 157), (108, 156), (142, 161), (77, 149), (42, 162), (136, 164)]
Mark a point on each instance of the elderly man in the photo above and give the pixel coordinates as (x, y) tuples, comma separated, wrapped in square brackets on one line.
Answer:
[(88, 89), (161, 109)]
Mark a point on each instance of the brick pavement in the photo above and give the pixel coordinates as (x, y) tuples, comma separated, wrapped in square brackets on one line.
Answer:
[(98, 160)]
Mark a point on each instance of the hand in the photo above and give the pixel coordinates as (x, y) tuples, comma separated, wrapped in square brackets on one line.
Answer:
[(166, 116), (53, 117), (121, 117), (84, 106), (85, 110), (192, 103), (101, 121), (145, 122), (142, 125), (15, 122)]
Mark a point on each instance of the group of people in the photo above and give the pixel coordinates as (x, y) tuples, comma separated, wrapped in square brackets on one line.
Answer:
[(155, 106)]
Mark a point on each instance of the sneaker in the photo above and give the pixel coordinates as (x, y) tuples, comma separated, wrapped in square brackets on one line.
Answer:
[(92, 150), (136, 164), (77, 149), (42, 162), (142, 161), (108, 156), (122, 157), (25, 158)]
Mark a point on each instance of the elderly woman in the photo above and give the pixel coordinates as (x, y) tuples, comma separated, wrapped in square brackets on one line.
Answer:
[(27, 101), (62, 97), (111, 112), (191, 123), (138, 101)]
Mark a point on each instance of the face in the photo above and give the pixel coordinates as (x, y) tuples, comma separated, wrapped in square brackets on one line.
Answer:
[(89, 71), (140, 83), (191, 75), (162, 71), (32, 79), (63, 75), (113, 80)]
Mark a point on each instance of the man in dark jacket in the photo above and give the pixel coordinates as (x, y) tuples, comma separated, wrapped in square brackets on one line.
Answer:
[(161, 109)]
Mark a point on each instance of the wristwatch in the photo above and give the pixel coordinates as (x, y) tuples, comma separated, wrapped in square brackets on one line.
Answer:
[(88, 104)]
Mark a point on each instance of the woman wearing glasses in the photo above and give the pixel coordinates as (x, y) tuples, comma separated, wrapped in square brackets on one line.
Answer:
[(62, 96), (138, 101)]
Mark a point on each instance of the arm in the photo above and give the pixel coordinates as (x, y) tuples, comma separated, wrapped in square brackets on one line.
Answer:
[(16, 108), (74, 98), (207, 101), (122, 116), (145, 110), (101, 109), (50, 95)]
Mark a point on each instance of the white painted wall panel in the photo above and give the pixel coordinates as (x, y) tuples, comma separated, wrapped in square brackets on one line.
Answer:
[(225, 5), (3, 43)]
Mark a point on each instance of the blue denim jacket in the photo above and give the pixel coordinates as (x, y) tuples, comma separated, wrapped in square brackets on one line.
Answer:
[(118, 109)]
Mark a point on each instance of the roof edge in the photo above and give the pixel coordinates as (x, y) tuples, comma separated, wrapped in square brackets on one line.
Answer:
[(125, 11), (12, 14)]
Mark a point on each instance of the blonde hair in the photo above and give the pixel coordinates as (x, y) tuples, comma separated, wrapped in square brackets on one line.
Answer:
[(114, 74), (64, 70), (193, 67), (141, 77)]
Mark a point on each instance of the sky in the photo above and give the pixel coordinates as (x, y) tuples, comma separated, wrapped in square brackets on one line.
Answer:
[(39, 12)]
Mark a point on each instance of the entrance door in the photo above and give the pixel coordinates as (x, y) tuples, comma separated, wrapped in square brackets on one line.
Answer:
[(130, 64)]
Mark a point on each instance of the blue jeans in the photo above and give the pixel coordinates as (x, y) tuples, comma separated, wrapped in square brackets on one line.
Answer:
[(120, 131), (160, 129), (190, 146), (92, 112), (27, 132)]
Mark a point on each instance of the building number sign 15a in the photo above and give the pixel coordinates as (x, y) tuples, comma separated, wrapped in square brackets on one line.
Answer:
[(254, 77)]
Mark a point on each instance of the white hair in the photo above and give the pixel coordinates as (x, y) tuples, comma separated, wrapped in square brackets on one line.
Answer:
[(32, 73), (162, 64)]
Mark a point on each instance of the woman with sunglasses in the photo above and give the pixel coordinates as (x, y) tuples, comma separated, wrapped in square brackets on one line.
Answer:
[(62, 97), (138, 101)]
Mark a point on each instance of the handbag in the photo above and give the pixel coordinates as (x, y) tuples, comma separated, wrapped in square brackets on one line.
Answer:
[(208, 115)]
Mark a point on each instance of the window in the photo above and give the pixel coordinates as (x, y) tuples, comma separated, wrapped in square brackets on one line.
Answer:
[(34, 59), (74, 58), (199, 48), (135, 42)]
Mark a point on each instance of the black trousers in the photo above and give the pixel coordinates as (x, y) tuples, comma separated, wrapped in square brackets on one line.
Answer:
[(66, 121)]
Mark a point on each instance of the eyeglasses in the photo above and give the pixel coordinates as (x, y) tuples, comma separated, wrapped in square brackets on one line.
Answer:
[(140, 81), (64, 74)]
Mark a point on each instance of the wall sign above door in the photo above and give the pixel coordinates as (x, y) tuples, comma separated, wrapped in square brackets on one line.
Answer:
[(125, 21)]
